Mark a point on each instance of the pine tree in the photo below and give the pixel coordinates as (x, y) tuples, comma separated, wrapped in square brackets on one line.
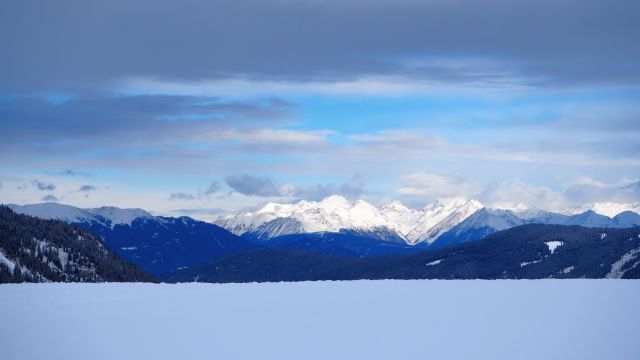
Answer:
[(17, 274)]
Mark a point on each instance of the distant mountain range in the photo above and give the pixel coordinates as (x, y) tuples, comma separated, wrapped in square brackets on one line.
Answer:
[(334, 226), (158, 245), (489, 243), (336, 213), (439, 223)]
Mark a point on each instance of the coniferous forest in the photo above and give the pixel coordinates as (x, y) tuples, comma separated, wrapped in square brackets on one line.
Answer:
[(36, 250)]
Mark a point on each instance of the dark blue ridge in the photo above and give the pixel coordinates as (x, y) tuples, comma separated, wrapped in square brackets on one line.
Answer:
[(162, 245), (521, 252)]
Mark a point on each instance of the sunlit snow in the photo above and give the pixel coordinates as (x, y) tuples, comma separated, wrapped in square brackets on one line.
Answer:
[(335, 212), (322, 320)]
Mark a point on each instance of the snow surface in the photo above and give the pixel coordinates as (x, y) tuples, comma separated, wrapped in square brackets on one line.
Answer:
[(591, 319), (553, 245)]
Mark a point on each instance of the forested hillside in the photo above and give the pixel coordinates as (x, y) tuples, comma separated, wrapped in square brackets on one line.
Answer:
[(36, 250)]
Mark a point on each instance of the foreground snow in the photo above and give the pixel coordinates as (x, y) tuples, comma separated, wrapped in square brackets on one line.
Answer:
[(566, 319)]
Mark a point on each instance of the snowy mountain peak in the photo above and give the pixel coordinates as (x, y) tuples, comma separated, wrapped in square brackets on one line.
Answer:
[(439, 217), (52, 211), (275, 208), (120, 216), (446, 203), (72, 214), (334, 202), (395, 205), (336, 213)]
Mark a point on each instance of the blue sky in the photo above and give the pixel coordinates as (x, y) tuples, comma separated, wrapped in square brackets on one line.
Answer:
[(210, 107)]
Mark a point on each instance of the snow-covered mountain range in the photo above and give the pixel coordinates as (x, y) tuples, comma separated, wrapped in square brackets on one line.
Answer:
[(336, 213), (413, 226), (440, 223)]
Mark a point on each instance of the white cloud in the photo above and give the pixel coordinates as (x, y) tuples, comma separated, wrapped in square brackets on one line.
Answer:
[(371, 85), (432, 186), (581, 194), (279, 137), (511, 192)]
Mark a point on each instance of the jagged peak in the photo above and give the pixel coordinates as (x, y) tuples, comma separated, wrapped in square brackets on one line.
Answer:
[(334, 201), (363, 203), (452, 202), (396, 205), (272, 207)]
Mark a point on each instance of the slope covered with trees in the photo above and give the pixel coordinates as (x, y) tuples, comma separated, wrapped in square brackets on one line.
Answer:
[(524, 252), (36, 250)]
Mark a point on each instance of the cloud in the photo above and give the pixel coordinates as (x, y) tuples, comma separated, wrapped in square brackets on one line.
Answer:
[(433, 186), (512, 192), (396, 138), (263, 186), (213, 188), (369, 85), (354, 188), (87, 188), (49, 198), (109, 120), (253, 185), (69, 172), (182, 196), (590, 191), (199, 211), (203, 214), (146, 132), (418, 188), (42, 185), (318, 40)]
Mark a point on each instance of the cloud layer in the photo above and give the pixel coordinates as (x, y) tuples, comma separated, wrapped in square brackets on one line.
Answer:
[(302, 40), (222, 105)]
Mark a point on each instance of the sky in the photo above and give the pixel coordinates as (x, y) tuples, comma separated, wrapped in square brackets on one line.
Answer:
[(203, 108)]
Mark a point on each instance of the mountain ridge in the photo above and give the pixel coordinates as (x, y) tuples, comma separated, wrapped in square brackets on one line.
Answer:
[(37, 250), (158, 245), (162, 245), (441, 218), (531, 251)]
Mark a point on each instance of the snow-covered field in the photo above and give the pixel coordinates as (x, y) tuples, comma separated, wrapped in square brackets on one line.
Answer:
[(561, 319)]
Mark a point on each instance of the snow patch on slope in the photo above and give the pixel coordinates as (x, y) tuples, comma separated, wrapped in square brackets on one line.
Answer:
[(5, 260), (553, 245), (617, 268)]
